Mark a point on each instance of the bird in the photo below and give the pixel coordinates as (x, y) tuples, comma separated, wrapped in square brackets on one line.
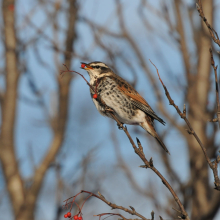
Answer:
[(128, 106)]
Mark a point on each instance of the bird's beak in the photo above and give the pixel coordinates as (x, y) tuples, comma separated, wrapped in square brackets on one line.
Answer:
[(85, 66)]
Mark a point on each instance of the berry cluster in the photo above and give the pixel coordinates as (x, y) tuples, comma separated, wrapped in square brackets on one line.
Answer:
[(78, 216), (75, 217), (68, 214)]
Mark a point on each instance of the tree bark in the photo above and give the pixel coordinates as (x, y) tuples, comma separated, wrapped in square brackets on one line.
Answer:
[(24, 200), (9, 104), (198, 90)]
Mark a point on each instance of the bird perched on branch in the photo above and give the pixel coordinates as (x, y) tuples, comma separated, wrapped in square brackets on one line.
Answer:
[(128, 105)]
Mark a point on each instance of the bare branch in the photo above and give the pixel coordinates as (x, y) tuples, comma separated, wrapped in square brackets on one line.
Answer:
[(114, 206), (9, 104), (212, 31), (213, 165), (216, 85), (149, 164)]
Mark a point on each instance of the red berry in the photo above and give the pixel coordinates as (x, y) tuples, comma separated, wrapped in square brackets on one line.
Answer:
[(75, 217), (95, 96), (80, 218), (69, 214), (65, 216), (83, 65)]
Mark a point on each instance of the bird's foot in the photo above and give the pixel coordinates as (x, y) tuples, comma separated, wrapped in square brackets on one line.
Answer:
[(120, 126), (107, 109)]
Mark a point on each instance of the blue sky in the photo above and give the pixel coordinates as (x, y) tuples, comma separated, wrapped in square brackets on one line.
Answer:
[(86, 128)]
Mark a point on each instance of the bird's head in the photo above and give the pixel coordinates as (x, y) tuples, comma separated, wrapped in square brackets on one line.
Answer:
[(96, 69)]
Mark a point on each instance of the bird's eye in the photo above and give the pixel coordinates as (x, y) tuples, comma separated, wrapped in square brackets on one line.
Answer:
[(97, 67)]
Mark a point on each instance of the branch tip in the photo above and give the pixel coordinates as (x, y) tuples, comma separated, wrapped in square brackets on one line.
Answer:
[(157, 72), (151, 162), (132, 208), (152, 215), (143, 166)]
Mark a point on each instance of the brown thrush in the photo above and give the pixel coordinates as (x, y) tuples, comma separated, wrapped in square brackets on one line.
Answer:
[(128, 105)]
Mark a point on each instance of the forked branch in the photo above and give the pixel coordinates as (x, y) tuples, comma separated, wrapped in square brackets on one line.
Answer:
[(70, 201)]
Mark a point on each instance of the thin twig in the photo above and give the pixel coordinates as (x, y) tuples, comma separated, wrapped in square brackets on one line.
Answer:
[(213, 165), (111, 214), (212, 31), (216, 85), (114, 206), (72, 71)]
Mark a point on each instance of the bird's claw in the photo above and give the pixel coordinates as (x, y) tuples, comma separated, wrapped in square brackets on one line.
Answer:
[(120, 126), (109, 110)]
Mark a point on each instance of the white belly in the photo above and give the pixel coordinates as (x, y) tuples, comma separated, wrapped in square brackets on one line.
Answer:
[(123, 114)]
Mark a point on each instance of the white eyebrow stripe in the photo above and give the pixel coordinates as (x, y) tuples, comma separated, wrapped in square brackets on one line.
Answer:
[(98, 64)]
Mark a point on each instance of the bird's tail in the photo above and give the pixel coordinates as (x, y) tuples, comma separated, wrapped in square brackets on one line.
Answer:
[(150, 129), (162, 144)]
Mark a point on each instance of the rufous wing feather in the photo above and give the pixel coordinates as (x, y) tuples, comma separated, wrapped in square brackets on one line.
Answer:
[(139, 101)]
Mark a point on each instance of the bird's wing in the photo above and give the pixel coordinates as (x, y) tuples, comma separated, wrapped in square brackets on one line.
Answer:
[(137, 99)]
